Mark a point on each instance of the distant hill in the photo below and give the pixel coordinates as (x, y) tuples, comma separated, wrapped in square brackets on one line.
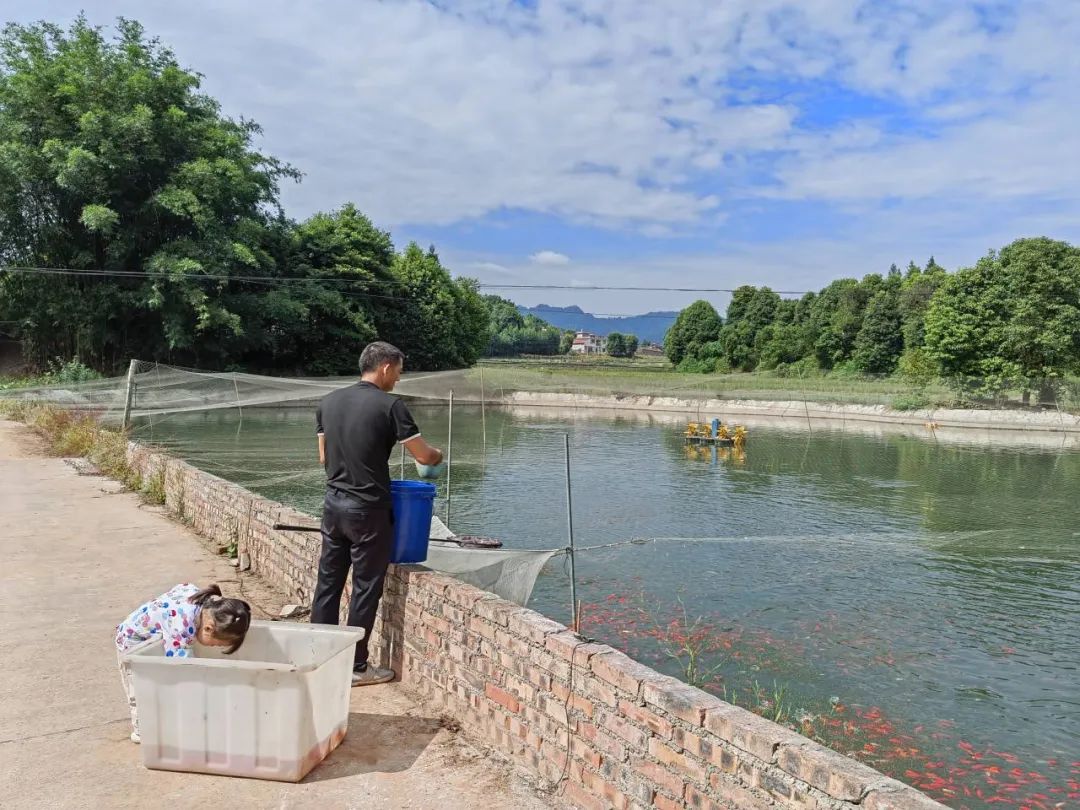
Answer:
[(651, 326)]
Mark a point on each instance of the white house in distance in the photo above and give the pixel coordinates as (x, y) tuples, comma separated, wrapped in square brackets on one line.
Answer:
[(587, 343)]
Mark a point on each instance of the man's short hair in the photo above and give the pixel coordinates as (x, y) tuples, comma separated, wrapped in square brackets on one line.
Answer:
[(378, 354)]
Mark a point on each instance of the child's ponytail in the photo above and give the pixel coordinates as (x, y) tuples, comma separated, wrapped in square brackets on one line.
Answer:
[(201, 596)]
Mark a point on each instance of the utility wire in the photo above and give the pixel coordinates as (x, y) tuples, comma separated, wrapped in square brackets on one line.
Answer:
[(624, 289), (74, 271), (134, 274), (346, 279)]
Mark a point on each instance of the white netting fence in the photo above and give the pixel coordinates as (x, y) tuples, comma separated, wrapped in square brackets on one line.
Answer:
[(193, 415), (159, 389)]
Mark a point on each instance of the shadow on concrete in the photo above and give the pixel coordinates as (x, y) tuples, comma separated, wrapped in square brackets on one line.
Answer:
[(377, 743)]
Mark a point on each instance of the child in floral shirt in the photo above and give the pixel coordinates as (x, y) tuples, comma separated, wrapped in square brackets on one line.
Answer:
[(180, 617)]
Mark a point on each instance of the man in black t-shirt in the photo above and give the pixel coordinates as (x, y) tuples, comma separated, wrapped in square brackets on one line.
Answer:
[(358, 427)]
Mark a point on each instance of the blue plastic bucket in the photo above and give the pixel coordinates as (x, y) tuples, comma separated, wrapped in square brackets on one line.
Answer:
[(414, 502)]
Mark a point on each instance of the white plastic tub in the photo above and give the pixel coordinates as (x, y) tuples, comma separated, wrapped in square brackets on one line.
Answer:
[(272, 710)]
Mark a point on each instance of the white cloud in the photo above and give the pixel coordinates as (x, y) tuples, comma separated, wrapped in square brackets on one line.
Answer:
[(956, 236), (489, 269), (429, 115), (643, 115), (1031, 155), (550, 258)]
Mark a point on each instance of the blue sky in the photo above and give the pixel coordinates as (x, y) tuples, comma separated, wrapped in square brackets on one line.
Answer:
[(699, 143)]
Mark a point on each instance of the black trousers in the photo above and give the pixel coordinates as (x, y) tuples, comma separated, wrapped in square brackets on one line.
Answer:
[(352, 534)]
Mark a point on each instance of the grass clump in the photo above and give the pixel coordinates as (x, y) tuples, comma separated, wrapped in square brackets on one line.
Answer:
[(154, 488), (58, 372), (911, 402), (73, 434)]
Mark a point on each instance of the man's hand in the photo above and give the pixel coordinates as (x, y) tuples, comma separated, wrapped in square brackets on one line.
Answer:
[(423, 452)]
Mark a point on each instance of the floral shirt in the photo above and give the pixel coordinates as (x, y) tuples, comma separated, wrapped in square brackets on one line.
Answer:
[(170, 617)]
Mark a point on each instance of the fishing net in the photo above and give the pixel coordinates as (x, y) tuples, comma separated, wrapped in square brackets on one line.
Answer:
[(509, 574), (159, 389), (281, 464)]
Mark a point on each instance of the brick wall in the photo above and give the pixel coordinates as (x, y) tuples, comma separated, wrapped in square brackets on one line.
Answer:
[(601, 729)]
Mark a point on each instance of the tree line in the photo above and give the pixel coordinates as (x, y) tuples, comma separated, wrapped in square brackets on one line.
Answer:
[(138, 221), (514, 334), (1012, 321)]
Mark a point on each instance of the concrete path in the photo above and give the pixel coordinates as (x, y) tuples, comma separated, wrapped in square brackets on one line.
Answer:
[(78, 554)]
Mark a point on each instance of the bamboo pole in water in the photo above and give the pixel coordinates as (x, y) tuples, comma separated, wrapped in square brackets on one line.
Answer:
[(570, 538), (483, 416), (449, 450)]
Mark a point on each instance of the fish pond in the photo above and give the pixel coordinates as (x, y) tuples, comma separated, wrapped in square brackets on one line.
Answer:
[(910, 601)]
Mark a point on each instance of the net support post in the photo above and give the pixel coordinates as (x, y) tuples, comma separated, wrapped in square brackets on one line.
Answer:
[(129, 395)]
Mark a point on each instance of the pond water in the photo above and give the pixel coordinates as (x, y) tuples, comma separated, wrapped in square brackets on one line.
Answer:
[(910, 601)]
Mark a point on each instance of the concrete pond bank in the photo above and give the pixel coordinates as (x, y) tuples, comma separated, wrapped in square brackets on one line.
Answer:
[(800, 412)]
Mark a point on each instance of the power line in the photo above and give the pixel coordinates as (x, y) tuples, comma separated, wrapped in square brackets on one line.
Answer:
[(347, 280), (624, 289), (71, 271), (539, 313), (351, 293), (355, 294), (138, 274), (273, 280)]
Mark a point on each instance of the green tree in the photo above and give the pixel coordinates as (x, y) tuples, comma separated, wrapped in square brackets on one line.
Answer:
[(505, 324), (620, 345), (1042, 331), (965, 323), (786, 340), (540, 337), (695, 326), (804, 308), (916, 290), (736, 345), (740, 302), (470, 322), (438, 322), (503, 314), (112, 161), (615, 344), (1012, 320), (751, 311), (836, 318), (880, 340), (917, 366), (513, 334), (321, 326)]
